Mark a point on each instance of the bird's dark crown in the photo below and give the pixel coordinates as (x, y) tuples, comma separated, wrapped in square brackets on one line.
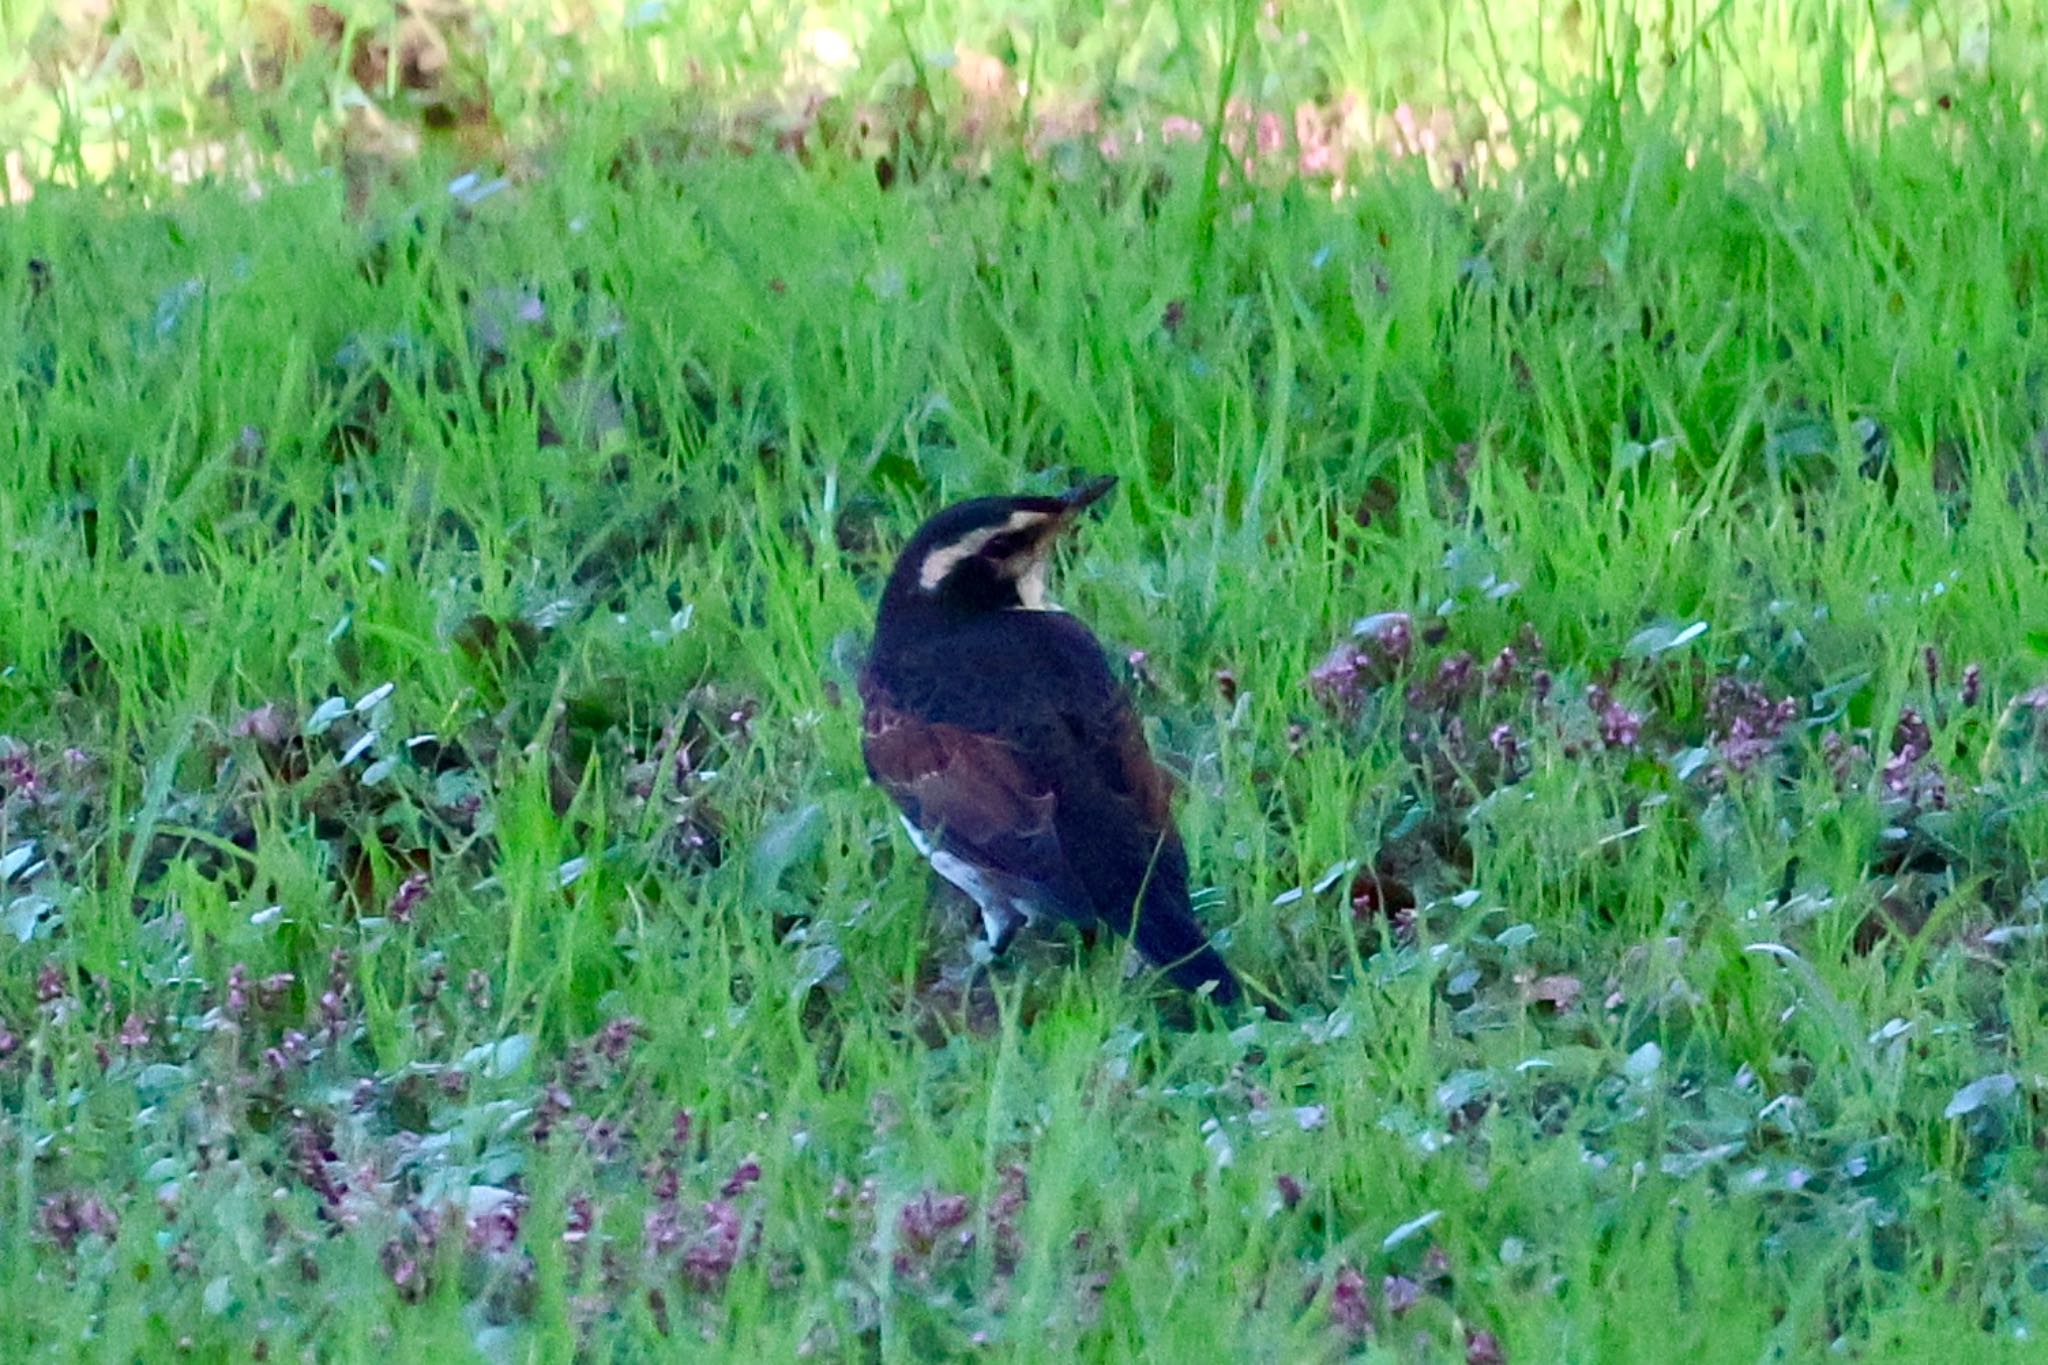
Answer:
[(985, 554)]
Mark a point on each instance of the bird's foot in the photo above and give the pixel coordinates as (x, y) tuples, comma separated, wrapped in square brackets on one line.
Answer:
[(1001, 925)]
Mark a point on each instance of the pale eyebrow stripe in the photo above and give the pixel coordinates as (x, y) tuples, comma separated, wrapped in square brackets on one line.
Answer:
[(940, 562)]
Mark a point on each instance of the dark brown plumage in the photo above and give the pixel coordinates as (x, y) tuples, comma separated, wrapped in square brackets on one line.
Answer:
[(1020, 766)]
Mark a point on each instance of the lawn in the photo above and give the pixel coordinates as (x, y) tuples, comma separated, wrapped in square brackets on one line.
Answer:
[(1578, 544)]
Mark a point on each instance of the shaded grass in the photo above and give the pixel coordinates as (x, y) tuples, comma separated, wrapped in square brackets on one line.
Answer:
[(599, 472)]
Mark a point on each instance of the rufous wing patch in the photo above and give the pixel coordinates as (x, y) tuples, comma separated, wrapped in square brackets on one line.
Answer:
[(971, 796), (1139, 775), (968, 786)]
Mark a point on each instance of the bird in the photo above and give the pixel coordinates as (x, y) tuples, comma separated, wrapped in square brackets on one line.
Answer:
[(1015, 757)]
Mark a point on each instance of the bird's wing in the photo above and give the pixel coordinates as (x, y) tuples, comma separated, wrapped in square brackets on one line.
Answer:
[(1115, 817), (1130, 771), (969, 792)]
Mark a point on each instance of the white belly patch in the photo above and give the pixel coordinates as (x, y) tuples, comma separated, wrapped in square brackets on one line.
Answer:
[(1001, 911)]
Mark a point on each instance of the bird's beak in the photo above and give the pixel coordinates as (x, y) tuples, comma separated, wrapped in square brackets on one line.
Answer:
[(1079, 498)]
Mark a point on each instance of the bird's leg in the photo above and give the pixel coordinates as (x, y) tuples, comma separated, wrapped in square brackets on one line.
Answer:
[(1001, 921)]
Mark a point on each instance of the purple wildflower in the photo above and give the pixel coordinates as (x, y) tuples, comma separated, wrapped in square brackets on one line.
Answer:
[(1483, 1348), (494, 1229), (614, 1042), (1907, 774), (402, 1264), (291, 1050), (711, 1257), (1620, 727), (579, 1220), (314, 1159), (406, 899), (1503, 741), (1453, 680), (662, 1229), (1501, 671), (51, 987), (602, 1138), (1844, 758), (69, 1217), (271, 990), (927, 1218), (266, 724), (1003, 1210), (1339, 681), (1350, 1304), (18, 775), (1393, 632), (334, 1000), (745, 1174), (554, 1103), (1747, 722), (1912, 739)]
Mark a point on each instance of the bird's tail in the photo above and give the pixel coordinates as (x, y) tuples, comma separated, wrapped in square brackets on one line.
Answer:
[(1176, 944)]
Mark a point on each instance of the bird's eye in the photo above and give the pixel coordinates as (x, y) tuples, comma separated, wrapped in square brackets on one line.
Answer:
[(1002, 547)]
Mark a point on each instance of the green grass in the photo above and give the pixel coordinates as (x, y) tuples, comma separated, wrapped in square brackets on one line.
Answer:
[(1684, 1049)]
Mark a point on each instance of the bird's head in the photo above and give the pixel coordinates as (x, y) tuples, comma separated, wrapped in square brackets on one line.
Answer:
[(988, 554)]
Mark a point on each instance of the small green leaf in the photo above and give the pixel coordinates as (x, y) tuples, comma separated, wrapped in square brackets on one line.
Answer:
[(24, 914), (500, 1059), (790, 837)]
